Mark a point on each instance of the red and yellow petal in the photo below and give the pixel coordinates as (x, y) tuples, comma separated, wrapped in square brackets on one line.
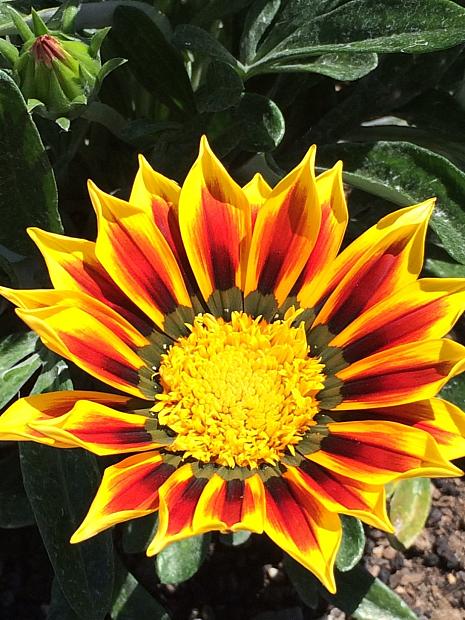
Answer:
[(137, 256), (425, 310), (385, 258), (215, 223), (73, 266), (16, 423), (342, 494), (149, 184), (440, 418), (285, 232), (128, 490), (86, 332), (401, 374), (377, 452), (312, 281), (100, 429), (231, 505), (179, 497), (302, 527), (257, 191)]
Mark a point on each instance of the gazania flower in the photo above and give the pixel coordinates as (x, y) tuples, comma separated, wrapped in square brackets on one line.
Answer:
[(264, 382)]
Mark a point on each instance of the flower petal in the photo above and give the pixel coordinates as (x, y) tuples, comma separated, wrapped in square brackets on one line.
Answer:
[(312, 281), (257, 192), (379, 452), (385, 258), (16, 422), (215, 220), (73, 266), (138, 258), (400, 374), (233, 504), (341, 494), (128, 490), (102, 430), (440, 418), (302, 527), (285, 232), (425, 310), (86, 332), (150, 183), (179, 497)]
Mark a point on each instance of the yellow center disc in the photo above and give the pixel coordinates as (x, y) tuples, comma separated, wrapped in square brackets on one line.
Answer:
[(239, 393)]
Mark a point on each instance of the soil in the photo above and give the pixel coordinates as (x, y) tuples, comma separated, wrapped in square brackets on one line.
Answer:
[(247, 582)]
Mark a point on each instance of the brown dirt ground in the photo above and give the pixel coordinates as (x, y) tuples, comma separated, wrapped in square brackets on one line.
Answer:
[(430, 576)]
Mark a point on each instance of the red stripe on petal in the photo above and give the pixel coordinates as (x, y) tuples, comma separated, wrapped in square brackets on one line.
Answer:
[(279, 240), (373, 281), (406, 328), (103, 360), (369, 454), (381, 387), (166, 218), (98, 284), (182, 503), (324, 250), (138, 489), (132, 255), (329, 483), (285, 515), (233, 495), (219, 231)]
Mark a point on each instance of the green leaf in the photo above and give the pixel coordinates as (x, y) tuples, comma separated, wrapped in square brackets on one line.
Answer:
[(20, 24), (261, 123), (131, 601), (394, 83), (222, 90), (352, 544), (59, 608), (182, 559), (16, 347), (198, 40), (13, 379), (218, 9), (54, 374), (358, 594), (405, 174), (304, 582), (234, 539), (409, 508), (15, 509), (444, 269), (60, 485), (156, 64), (259, 18), (8, 51), (340, 66), (138, 533), (38, 24), (364, 598), (27, 193), (455, 391), (97, 40), (305, 28)]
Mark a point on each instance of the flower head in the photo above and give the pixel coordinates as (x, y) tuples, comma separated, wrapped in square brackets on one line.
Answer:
[(265, 381)]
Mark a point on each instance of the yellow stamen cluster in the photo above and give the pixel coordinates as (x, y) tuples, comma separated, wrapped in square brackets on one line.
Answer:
[(239, 393)]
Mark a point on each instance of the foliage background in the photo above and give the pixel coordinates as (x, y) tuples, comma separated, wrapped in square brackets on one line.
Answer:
[(378, 84)]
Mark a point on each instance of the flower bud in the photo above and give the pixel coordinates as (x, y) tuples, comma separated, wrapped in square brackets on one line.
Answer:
[(57, 73)]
